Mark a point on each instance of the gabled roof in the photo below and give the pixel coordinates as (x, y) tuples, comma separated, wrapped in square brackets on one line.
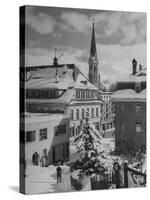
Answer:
[(46, 77)]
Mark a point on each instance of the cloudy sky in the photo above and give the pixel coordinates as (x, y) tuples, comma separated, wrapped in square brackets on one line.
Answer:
[(120, 36)]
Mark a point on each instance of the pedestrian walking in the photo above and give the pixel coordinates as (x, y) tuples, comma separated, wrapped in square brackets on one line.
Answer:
[(117, 181), (59, 173)]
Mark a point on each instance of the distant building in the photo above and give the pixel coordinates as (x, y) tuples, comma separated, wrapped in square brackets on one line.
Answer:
[(108, 114), (130, 111), (46, 138)]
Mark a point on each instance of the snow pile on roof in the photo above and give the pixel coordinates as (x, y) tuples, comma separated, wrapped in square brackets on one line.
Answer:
[(129, 94), (82, 82), (44, 117)]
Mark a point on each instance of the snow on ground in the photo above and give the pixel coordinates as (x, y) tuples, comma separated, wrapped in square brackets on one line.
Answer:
[(43, 180)]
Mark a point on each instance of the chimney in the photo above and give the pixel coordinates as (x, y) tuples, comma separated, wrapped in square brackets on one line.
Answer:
[(134, 66), (57, 77), (140, 67), (55, 63)]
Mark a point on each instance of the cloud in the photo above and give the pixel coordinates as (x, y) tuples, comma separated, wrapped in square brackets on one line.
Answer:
[(40, 22), (128, 27), (75, 21), (115, 60), (38, 56)]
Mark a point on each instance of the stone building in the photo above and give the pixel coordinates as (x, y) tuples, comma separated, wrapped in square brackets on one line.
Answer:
[(130, 111)]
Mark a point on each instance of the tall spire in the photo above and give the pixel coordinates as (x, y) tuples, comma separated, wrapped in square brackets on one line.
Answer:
[(93, 52), (94, 77)]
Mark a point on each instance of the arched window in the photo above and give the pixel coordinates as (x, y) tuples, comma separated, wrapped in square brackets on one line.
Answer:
[(77, 114), (138, 108), (72, 115), (87, 112), (92, 112), (96, 112), (82, 113)]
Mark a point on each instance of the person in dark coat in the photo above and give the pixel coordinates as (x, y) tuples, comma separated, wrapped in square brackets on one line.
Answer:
[(116, 176), (59, 172)]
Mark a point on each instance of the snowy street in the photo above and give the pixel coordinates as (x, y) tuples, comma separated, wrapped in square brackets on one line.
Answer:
[(43, 179)]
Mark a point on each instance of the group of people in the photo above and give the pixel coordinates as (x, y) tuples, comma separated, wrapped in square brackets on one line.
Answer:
[(116, 176)]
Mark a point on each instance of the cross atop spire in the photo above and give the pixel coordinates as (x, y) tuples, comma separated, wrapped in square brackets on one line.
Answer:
[(93, 52)]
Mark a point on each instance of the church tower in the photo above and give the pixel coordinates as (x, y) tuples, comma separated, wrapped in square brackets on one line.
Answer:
[(94, 76)]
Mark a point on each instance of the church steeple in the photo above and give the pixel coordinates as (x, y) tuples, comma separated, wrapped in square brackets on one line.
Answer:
[(93, 52), (94, 76)]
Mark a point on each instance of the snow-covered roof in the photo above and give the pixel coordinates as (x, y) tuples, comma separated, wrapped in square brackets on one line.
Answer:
[(39, 117), (129, 94), (41, 83), (83, 83), (46, 78)]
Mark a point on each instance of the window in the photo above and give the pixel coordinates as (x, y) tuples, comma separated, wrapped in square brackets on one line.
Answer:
[(30, 136), (43, 134), (96, 112), (67, 150), (92, 112), (92, 94), (72, 114), (138, 127), (87, 112), (138, 87), (77, 114), (82, 94), (82, 113), (77, 93), (61, 129), (138, 108), (86, 94)]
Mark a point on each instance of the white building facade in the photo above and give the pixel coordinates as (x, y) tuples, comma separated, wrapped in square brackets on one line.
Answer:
[(46, 139)]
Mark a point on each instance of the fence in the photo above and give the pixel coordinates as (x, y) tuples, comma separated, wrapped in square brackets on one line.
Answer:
[(133, 173), (101, 181)]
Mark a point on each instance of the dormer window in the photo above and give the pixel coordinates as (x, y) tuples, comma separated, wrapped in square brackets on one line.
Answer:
[(138, 87)]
